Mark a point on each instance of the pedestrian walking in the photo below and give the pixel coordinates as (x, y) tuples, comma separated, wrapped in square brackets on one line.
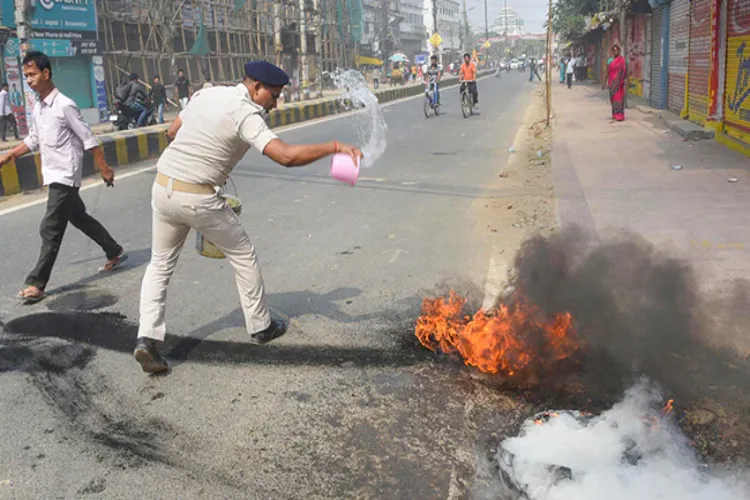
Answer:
[(159, 97), (209, 138), (562, 70), (570, 69), (534, 70), (59, 133), (616, 73), (6, 113), (182, 90)]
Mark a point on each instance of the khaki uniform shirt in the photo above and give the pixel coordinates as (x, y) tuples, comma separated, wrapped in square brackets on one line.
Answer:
[(218, 128)]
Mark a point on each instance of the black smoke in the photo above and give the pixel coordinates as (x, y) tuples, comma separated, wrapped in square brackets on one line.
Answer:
[(640, 311)]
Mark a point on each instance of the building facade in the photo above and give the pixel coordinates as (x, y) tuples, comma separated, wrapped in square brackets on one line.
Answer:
[(689, 57), (449, 21), (412, 29), (508, 23), (68, 33), (382, 22)]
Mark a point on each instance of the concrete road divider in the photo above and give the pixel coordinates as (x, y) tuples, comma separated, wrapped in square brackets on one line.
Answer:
[(132, 146)]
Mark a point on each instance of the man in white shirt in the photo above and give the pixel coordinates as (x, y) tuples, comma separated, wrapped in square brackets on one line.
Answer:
[(60, 134), (210, 136), (570, 70), (6, 113)]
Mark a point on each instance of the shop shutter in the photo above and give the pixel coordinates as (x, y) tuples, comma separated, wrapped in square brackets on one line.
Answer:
[(72, 75), (679, 36), (737, 92), (699, 63), (636, 54), (654, 98)]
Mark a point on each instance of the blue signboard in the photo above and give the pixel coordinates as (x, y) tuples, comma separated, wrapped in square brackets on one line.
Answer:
[(100, 88), (58, 15), (52, 47)]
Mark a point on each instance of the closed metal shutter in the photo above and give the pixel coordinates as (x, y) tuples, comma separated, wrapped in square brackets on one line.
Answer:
[(737, 93), (654, 98), (679, 36), (700, 60)]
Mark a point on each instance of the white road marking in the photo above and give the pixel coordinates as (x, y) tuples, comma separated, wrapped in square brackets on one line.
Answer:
[(279, 130), (40, 201)]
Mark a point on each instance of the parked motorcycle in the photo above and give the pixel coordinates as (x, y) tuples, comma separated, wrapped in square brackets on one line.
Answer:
[(123, 118)]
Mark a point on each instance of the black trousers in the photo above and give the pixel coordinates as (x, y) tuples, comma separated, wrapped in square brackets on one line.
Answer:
[(9, 120), (64, 205), (569, 76), (473, 91)]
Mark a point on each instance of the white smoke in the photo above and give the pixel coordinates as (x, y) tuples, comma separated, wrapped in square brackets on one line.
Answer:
[(370, 126), (619, 455)]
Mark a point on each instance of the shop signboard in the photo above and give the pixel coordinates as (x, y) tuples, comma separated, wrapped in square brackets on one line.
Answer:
[(58, 15)]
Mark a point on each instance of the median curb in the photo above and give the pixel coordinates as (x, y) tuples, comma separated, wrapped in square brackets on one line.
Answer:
[(132, 146)]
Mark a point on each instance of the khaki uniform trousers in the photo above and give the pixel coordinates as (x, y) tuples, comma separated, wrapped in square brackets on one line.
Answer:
[(174, 214)]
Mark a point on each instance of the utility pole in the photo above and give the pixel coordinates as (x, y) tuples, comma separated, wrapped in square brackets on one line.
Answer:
[(304, 74), (318, 48), (435, 29), (385, 26), (465, 30), (548, 67), (23, 28), (486, 24), (278, 47)]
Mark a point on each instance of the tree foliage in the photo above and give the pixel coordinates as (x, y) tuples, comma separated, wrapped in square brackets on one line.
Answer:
[(568, 17)]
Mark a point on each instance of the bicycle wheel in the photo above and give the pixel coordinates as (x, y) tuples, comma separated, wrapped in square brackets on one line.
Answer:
[(465, 104), (427, 107)]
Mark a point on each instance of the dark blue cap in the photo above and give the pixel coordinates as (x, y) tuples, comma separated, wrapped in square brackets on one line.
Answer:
[(265, 72)]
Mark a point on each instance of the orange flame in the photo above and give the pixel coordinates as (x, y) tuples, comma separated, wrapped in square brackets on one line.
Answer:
[(668, 408), (506, 340)]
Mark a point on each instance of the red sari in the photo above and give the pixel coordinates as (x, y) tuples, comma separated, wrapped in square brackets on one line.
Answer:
[(616, 82)]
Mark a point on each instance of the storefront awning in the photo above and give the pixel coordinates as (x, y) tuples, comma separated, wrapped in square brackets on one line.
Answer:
[(369, 61)]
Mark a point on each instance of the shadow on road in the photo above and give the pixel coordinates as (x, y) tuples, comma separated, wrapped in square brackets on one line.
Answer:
[(136, 259), (286, 305), (32, 344)]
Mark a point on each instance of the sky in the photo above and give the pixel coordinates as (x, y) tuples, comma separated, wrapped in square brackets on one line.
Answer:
[(534, 12)]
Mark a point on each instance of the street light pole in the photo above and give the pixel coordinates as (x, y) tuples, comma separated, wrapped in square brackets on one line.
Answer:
[(23, 28), (465, 30), (549, 63), (486, 23)]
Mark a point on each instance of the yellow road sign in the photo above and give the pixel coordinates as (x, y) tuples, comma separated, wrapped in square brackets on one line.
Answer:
[(436, 39)]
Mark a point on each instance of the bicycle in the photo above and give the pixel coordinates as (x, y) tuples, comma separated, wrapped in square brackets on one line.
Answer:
[(430, 101), (467, 101)]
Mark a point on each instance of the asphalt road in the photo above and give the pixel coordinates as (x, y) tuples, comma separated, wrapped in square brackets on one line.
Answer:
[(344, 405)]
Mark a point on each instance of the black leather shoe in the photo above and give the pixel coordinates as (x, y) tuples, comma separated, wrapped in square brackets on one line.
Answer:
[(276, 330), (148, 356)]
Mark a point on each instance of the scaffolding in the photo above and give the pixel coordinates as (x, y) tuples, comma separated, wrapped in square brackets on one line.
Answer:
[(215, 38)]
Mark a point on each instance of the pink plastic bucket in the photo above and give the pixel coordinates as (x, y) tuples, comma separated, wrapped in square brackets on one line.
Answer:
[(344, 169)]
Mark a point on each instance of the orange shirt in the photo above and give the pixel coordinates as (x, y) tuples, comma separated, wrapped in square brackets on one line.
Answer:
[(469, 71)]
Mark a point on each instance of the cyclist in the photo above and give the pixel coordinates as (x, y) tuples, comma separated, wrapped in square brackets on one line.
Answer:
[(432, 76), (468, 75)]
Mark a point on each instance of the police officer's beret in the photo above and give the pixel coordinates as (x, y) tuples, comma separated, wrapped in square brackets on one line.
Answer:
[(265, 72)]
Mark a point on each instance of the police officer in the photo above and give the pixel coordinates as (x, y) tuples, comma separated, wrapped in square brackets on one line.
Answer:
[(209, 137)]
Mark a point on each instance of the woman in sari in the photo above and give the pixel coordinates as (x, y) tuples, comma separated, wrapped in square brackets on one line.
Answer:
[(616, 80)]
